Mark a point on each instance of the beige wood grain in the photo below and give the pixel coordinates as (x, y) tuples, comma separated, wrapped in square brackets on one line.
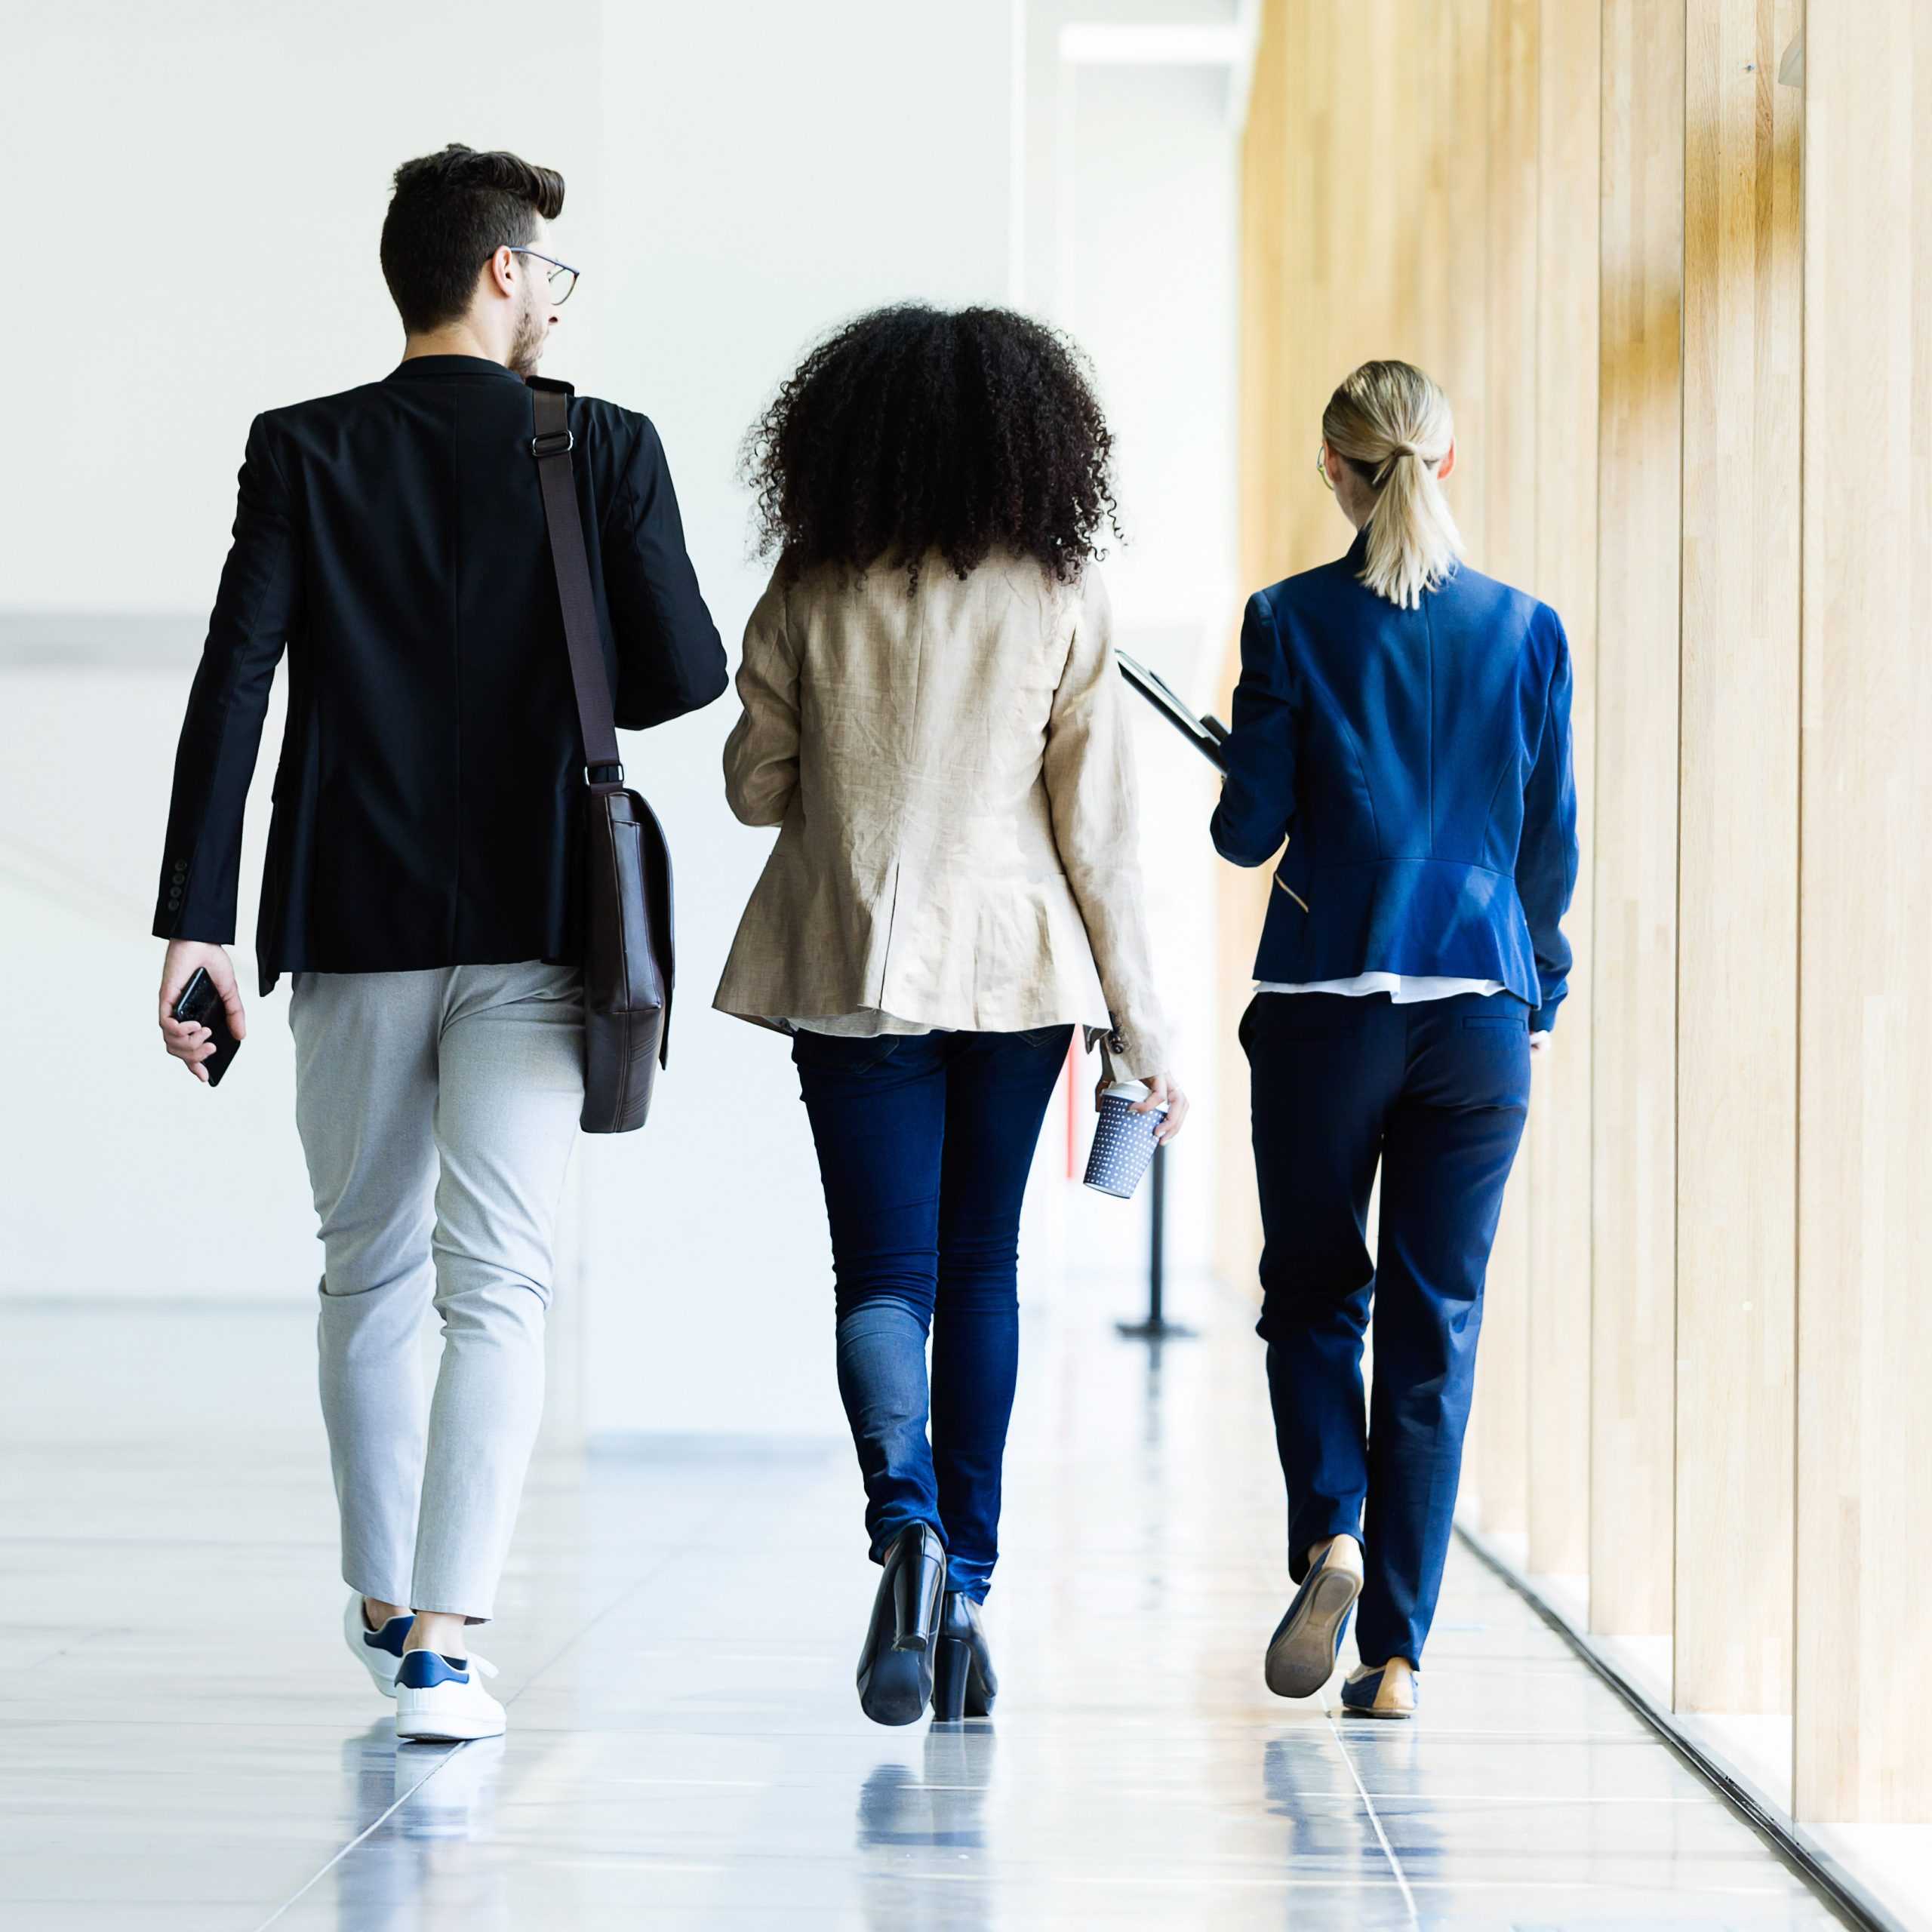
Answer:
[(1634, 1096), (1267, 220), (1340, 263), (1505, 470), (1568, 99), (1435, 253), (1737, 884), (1862, 1663)]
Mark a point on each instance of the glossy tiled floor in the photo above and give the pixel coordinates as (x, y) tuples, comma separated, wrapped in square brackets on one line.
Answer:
[(184, 1745)]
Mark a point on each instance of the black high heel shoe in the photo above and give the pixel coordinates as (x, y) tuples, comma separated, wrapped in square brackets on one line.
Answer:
[(896, 1667), (964, 1685)]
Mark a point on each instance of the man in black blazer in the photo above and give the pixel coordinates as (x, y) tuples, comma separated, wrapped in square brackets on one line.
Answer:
[(420, 877)]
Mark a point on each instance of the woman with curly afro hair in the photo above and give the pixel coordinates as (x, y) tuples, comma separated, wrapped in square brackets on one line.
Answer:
[(933, 720)]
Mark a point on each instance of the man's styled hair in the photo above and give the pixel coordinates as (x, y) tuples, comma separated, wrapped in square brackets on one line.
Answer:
[(450, 213)]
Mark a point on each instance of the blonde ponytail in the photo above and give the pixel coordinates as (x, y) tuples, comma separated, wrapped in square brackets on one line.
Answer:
[(1391, 425)]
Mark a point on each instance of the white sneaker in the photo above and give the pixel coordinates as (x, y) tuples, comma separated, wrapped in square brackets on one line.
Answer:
[(380, 1651), (442, 1700)]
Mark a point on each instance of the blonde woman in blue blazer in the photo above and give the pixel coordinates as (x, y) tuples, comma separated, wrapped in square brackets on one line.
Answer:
[(1403, 723)]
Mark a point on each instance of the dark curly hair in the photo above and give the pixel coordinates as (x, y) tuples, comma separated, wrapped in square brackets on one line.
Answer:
[(915, 429)]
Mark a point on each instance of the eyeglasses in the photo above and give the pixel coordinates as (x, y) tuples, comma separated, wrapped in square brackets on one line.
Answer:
[(562, 278), (1321, 467)]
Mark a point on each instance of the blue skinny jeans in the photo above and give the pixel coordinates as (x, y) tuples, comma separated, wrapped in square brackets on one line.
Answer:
[(924, 1142)]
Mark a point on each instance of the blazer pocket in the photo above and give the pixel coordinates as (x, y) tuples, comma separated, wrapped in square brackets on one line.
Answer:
[(1484, 1023)]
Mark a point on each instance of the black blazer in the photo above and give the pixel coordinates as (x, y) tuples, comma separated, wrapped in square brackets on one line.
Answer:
[(425, 804)]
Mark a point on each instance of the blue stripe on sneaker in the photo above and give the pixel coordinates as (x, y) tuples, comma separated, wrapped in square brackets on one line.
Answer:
[(390, 1636), (423, 1670)]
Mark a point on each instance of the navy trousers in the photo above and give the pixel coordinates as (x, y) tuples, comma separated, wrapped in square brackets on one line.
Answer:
[(924, 1142), (1436, 1093)]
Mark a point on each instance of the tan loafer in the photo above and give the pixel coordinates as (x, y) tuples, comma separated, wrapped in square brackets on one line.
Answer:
[(1302, 1653), (1381, 1691)]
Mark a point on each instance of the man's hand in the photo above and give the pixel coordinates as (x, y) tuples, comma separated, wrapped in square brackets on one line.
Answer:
[(191, 1044)]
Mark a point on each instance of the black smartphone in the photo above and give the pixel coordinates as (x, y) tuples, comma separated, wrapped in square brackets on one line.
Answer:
[(200, 1005)]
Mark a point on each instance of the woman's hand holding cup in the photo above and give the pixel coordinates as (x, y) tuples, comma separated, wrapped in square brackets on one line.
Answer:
[(1163, 1091)]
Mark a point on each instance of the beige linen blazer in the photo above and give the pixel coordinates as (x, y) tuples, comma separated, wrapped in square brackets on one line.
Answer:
[(952, 777)]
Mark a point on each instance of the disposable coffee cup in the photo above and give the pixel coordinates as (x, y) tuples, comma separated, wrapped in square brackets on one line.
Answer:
[(1123, 1141)]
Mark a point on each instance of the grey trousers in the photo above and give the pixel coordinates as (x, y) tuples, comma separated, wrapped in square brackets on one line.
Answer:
[(437, 1110)]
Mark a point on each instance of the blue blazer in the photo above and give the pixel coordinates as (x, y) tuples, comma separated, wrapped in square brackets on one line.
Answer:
[(1417, 763)]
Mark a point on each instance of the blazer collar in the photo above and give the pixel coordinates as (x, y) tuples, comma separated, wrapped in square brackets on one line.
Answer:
[(1359, 550), (452, 368)]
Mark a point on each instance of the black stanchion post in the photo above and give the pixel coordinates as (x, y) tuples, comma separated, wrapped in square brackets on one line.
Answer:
[(1156, 1327)]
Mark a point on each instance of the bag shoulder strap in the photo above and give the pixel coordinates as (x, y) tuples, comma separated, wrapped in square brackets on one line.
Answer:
[(551, 445)]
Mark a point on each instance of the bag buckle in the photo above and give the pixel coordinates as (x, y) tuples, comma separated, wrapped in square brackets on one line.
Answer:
[(557, 442), (591, 774)]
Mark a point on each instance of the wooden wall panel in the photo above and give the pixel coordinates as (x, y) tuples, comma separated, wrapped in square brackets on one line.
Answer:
[(1727, 1163), (1448, 331), (1568, 136), (1436, 253), (1737, 885), (1496, 433), (1634, 1136), (1268, 216), (1863, 1666), (1340, 263), (1507, 460), (1462, 250)]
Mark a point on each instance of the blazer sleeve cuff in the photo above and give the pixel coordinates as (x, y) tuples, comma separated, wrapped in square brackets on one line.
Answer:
[(189, 905), (1129, 1052), (1229, 842)]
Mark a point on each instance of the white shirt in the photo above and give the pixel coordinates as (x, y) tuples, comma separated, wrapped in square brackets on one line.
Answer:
[(868, 1022), (1403, 988)]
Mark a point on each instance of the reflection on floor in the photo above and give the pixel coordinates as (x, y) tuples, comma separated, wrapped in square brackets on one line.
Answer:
[(184, 1744)]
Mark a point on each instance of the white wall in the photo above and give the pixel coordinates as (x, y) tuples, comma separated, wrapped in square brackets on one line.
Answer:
[(211, 183), (1131, 217), (741, 176), (767, 180)]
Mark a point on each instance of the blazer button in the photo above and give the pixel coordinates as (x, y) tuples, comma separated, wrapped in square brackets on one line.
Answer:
[(181, 868), (173, 899)]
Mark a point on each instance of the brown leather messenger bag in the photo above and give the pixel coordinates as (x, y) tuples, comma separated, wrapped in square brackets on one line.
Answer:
[(625, 889)]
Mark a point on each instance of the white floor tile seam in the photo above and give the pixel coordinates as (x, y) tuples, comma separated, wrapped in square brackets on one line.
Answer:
[(556, 1657), (54, 1656), (1701, 1801), (218, 1727), (1369, 1731), (107, 1545), (1375, 1819), (1016, 1876), (374, 1825), (1704, 1801)]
